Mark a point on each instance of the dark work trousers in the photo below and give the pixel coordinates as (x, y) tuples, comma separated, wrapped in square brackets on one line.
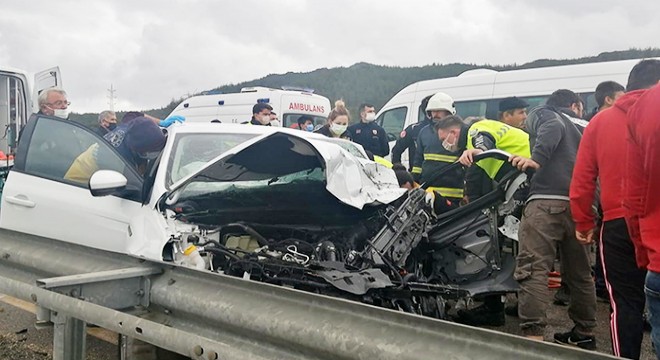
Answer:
[(546, 224), (599, 278), (625, 284)]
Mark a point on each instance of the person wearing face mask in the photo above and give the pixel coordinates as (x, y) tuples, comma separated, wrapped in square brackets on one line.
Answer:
[(260, 115), (432, 156), (305, 123), (53, 102), (474, 139), (274, 121), (337, 124), (107, 122), (367, 133)]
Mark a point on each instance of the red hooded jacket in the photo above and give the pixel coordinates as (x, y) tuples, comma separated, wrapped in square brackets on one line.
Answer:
[(601, 158), (642, 178)]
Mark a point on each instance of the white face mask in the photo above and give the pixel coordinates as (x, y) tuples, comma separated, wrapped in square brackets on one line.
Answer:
[(275, 123), (370, 117), (449, 146), (338, 129), (264, 119), (61, 113)]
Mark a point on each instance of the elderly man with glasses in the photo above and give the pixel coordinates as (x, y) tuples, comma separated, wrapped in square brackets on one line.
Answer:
[(53, 102)]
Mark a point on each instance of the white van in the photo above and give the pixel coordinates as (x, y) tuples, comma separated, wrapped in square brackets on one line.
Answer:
[(289, 104), (478, 92), (18, 99)]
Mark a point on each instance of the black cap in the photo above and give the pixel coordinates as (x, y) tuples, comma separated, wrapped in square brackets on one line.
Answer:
[(511, 103)]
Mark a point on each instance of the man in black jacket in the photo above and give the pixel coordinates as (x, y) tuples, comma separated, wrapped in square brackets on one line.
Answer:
[(107, 122), (260, 115), (555, 131), (367, 133), (408, 138), (433, 155)]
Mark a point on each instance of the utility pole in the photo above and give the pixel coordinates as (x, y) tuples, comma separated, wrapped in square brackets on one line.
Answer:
[(112, 97)]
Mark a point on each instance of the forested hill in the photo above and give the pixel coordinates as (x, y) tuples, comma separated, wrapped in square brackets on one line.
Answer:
[(376, 84)]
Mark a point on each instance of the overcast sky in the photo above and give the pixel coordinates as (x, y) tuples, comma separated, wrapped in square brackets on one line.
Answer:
[(153, 51)]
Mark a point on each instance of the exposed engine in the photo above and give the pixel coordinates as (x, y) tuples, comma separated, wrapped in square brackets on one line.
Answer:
[(386, 258)]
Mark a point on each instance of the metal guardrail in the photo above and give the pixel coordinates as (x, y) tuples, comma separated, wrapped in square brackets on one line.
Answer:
[(210, 316)]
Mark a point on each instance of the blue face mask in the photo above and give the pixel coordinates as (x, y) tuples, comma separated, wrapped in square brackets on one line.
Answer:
[(309, 127)]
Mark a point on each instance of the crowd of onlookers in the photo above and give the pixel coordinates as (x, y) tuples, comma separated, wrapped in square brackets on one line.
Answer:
[(593, 180)]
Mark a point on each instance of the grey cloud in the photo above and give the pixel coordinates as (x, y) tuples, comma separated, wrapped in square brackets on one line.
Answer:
[(153, 51)]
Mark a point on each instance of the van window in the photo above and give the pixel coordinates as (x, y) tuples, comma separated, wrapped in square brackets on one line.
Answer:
[(472, 108), (393, 121), (291, 120), (535, 101)]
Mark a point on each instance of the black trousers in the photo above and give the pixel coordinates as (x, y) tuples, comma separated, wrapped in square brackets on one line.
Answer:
[(625, 284)]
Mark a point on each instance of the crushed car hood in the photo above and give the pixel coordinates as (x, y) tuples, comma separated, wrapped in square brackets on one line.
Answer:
[(354, 181)]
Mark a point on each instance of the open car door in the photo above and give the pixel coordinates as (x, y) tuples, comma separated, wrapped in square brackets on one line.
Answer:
[(470, 247)]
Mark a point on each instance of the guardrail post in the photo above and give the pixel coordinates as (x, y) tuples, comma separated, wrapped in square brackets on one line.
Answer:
[(134, 349), (69, 338)]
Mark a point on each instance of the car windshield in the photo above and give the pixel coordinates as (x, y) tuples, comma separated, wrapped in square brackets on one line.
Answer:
[(192, 151)]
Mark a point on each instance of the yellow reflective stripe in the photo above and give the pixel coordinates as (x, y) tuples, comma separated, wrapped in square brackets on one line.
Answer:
[(416, 170), (439, 157), (383, 161), (448, 192)]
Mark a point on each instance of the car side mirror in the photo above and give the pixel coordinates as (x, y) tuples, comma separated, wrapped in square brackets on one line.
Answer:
[(391, 137), (106, 182)]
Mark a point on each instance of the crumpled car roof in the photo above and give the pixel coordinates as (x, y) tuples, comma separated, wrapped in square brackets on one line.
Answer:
[(353, 180)]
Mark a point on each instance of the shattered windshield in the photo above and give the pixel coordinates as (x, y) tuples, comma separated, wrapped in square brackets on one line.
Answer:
[(193, 150), (203, 185), (280, 179)]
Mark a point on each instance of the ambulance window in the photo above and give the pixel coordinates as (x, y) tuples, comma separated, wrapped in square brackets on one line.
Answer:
[(291, 120), (393, 121)]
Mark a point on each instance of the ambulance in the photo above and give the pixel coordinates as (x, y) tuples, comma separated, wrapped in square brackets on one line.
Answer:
[(478, 92), (18, 99), (236, 108)]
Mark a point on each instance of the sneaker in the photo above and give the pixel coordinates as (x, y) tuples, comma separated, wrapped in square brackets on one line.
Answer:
[(572, 338), (480, 316)]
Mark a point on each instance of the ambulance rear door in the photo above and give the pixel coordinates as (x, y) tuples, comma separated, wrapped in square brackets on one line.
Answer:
[(295, 104)]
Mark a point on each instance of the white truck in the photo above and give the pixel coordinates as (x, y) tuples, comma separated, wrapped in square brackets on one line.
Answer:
[(18, 99), (478, 92), (236, 108)]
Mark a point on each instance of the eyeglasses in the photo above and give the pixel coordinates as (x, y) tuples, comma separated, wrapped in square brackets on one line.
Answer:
[(59, 103)]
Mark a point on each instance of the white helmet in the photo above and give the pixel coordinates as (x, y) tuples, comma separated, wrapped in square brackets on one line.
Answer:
[(441, 101)]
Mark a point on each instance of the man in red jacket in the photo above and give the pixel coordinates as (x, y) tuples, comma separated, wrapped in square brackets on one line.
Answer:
[(600, 159), (642, 198)]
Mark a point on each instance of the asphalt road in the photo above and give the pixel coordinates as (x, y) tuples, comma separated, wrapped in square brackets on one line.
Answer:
[(19, 340)]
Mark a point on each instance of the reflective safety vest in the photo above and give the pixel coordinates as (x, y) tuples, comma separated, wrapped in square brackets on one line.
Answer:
[(383, 161), (507, 138), (431, 158)]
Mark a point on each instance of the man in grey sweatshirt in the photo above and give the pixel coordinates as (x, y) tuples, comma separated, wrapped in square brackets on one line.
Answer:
[(555, 131)]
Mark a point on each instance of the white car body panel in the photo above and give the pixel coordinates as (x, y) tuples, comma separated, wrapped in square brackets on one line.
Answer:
[(61, 211)]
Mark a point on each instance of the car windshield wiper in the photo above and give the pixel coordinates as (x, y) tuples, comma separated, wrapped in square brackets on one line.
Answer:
[(275, 179), (195, 213)]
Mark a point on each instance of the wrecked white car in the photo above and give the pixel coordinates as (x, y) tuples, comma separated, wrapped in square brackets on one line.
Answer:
[(269, 204)]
